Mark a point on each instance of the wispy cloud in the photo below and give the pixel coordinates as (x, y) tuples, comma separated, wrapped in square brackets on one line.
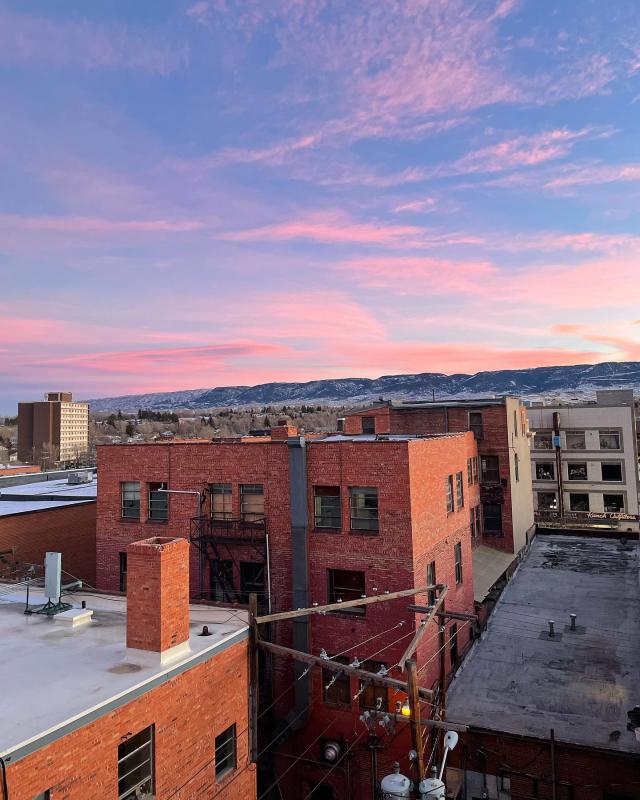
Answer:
[(32, 40)]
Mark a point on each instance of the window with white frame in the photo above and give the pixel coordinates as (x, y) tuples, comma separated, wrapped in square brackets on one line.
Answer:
[(575, 440), (130, 499), (610, 440)]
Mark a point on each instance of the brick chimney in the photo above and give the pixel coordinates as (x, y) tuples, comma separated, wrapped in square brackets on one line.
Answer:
[(157, 594), (283, 431)]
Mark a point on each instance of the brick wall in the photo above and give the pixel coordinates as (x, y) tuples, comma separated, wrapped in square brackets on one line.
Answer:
[(70, 530), (23, 469), (188, 713), (581, 773)]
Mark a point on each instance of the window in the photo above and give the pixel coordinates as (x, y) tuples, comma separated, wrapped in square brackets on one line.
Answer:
[(469, 471), (431, 581), (363, 506), (251, 580), (373, 693), (547, 501), (326, 502), (475, 469), (515, 421), (459, 491), (577, 470), (609, 440), (611, 471), (575, 440), (221, 500), (448, 482), (579, 502), (473, 524), (135, 766), (158, 502), (345, 585), (46, 795), (453, 645), (130, 499), (475, 423), (492, 519), (123, 572), (225, 752), (339, 692), (613, 503), (545, 471), (516, 465), (478, 514), (368, 424), (457, 556), (252, 501), (490, 468), (221, 580)]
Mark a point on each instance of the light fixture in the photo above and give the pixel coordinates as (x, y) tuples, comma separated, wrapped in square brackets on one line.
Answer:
[(406, 709)]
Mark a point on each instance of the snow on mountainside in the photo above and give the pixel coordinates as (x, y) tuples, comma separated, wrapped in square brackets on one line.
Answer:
[(575, 381)]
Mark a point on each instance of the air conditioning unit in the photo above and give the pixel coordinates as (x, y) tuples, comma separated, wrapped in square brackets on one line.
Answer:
[(76, 478)]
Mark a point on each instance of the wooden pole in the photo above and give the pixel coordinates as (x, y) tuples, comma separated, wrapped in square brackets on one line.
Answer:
[(408, 653), (553, 764), (334, 666), (416, 724), (253, 677), (365, 601), (443, 674)]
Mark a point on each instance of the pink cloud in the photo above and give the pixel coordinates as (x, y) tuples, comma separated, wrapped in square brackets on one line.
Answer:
[(595, 174), (97, 225), (79, 43), (622, 338), (331, 228)]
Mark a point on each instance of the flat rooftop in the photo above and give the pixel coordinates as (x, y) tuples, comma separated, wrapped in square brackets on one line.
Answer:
[(386, 437), (44, 494), (57, 678), (582, 684)]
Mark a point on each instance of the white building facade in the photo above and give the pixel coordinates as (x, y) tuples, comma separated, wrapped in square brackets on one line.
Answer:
[(584, 463)]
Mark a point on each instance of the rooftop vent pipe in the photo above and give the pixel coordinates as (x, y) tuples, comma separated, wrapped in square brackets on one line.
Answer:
[(573, 621), (551, 631)]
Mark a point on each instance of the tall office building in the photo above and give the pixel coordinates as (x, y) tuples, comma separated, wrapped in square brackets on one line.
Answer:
[(56, 428)]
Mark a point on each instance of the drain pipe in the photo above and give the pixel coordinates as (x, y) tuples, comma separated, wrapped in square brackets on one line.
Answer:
[(299, 565)]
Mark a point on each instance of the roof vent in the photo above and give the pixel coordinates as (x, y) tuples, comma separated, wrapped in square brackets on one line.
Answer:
[(552, 634)]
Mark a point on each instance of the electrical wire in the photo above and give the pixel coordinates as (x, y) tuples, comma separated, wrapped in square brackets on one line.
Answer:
[(440, 649), (339, 761), (306, 750)]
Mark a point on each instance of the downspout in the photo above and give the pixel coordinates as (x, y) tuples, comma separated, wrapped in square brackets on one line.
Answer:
[(299, 564)]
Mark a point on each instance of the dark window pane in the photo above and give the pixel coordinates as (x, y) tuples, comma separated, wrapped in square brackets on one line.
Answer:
[(252, 580), (577, 471), (225, 752), (545, 471), (327, 507), (492, 516), (609, 440), (368, 424), (490, 469), (130, 499), (372, 693), (459, 491), (158, 502), (338, 691), (135, 766), (448, 482), (221, 580), (221, 500), (613, 503), (345, 585), (611, 471), (575, 440), (363, 505), (543, 440), (123, 572), (547, 501), (579, 502), (457, 553), (431, 581), (475, 424)]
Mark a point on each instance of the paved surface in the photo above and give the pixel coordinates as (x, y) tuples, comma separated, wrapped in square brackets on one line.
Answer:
[(581, 684)]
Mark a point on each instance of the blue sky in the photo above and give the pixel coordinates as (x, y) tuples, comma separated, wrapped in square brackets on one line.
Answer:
[(217, 192)]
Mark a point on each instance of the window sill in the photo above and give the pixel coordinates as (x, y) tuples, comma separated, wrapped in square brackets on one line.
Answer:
[(135, 520), (157, 521), (359, 532), (327, 530)]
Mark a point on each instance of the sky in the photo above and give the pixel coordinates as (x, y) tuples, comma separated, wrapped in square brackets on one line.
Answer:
[(222, 192)]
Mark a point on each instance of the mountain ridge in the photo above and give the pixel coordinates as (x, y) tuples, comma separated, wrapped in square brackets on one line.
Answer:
[(581, 379)]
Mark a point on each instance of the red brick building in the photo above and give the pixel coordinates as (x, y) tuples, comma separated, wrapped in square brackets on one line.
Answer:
[(500, 427), (129, 702), (310, 521), (42, 515)]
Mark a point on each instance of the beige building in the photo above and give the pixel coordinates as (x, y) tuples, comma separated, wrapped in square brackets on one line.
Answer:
[(56, 429), (584, 463)]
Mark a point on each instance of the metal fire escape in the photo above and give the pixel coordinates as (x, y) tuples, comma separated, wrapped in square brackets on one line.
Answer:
[(221, 543)]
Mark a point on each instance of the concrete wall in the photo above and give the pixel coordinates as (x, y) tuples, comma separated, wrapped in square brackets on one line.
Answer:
[(521, 494)]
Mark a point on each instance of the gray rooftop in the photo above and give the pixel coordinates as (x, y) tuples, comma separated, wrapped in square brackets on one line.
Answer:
[(580, 684), (57, 678), (45, 495)]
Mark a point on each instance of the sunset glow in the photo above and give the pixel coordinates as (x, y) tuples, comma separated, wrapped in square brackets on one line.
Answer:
[(239, 191)]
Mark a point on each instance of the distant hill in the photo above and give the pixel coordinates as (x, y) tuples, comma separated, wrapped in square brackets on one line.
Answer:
[(581, 380)]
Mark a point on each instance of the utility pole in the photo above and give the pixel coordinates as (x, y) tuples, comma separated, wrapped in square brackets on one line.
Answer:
[(416, 724), (443, 669)]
